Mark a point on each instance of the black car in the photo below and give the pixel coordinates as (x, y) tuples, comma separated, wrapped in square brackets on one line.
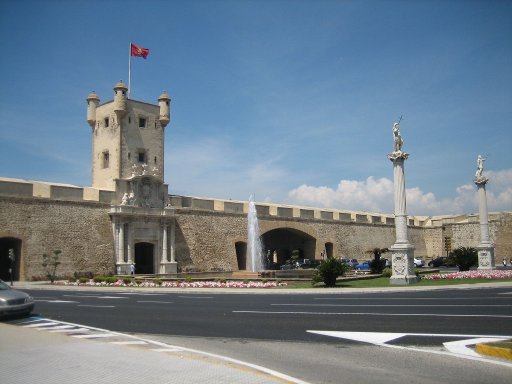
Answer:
[(438, 262)]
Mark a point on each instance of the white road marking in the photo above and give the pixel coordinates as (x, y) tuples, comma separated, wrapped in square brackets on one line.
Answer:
[(94, 336), (366, 314), (61, 327), (142, 294), (196, 297), (460, 347), (59, 301), (155, 301), (413, 298), (46, 324), (97, 306), (71, 330), (381, 339), (392, 305), (167, 350), (134, 342), (112, 297)]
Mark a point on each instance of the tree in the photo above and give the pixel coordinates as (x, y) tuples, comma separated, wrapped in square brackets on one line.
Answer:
[(377, 265), (50, 263), (464, 258), (329, 270)]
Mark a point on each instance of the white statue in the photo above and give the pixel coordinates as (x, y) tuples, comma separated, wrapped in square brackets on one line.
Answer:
[(398, 142), (144, 169), (479, 166), (135, 168), (125, 199)]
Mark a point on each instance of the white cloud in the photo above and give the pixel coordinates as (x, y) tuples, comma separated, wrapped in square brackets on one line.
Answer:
[(377, 195)]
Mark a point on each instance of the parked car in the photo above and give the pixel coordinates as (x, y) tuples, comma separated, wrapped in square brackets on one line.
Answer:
[(388, 262), (14, 302), (307, 263), (419, 262), (438, 261), (363, 266), (350, 262)]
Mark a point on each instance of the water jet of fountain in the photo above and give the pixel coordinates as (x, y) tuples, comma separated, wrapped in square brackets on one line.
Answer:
[(255, 246)]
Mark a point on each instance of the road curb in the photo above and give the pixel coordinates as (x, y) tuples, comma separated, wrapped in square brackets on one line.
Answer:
[(502, 349)]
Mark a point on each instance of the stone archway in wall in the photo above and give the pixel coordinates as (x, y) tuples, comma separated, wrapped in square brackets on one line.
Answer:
[(144, 258), (285, 240), (6, 265), (241, 255)]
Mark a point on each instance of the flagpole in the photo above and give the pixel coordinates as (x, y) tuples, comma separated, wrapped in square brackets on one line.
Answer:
[(129, 69)]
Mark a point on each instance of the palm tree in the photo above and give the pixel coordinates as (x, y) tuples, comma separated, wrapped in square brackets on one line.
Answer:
[(377, 265)]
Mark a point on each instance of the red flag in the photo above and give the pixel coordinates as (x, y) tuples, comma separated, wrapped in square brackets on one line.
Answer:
[(139, 51)]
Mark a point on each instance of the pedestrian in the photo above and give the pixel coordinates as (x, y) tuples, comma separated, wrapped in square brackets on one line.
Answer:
[(132, 269), (504, 262)]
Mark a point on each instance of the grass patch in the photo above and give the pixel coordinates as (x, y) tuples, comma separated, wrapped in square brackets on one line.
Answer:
[(380, 282)]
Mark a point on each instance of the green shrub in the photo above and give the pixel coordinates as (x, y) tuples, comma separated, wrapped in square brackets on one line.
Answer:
[(72, 279), (127, 280), (138, 282), (387, 272), (188, 279), (157, 282), (222, 281), (83, 280), (464, 258), (99, 279), (329, 270), (377, 266), (111, 279)]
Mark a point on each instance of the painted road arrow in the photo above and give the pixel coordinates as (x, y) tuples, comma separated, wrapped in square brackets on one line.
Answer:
[(460, 348)]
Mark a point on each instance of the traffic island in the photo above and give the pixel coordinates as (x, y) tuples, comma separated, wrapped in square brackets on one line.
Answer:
[(501, 349)]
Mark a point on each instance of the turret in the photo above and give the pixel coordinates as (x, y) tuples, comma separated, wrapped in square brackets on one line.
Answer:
[(92, 102), (120, 99), (164, 101)]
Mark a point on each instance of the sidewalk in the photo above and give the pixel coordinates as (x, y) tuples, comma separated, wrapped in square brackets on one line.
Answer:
[(30, 355)]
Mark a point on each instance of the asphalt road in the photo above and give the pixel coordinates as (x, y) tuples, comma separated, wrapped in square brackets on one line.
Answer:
[(274, 330)]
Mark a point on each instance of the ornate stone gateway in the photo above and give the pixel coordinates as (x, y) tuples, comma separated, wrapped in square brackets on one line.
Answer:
[(143, 220)]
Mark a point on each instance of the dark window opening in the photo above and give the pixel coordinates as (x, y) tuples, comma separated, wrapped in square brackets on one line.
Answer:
[(142, 122), (155, 159), (142, 157), (106, 121), (106, 159)]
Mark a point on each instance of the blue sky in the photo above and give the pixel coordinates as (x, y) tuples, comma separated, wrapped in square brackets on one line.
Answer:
[(291, 100)]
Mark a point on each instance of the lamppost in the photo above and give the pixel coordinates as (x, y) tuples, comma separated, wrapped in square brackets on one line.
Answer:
[(12, 258)]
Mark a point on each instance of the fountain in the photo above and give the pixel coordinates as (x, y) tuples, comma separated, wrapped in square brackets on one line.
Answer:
[(255, 247)]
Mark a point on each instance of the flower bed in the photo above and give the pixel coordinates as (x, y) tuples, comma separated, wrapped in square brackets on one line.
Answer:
[(491, 275), (177, 284)]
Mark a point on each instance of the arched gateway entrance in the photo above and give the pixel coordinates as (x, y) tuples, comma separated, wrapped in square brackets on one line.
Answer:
[(144, 258), (286, 240), (6, 264)]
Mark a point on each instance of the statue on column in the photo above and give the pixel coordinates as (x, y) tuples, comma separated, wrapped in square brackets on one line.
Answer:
[(398, 141), (479, 166)]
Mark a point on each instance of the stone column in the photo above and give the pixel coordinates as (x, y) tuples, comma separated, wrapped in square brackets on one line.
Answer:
[(173, 240), (120, 256), (485, 248), (166, 266), (164, 243), (402, 251)]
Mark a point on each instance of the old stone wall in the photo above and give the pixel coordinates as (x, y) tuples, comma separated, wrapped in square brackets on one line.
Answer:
[(81, 230), (205, 238)]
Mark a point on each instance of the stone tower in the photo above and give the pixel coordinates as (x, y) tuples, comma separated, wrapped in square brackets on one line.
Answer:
[(126, 135), (128, 158)]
